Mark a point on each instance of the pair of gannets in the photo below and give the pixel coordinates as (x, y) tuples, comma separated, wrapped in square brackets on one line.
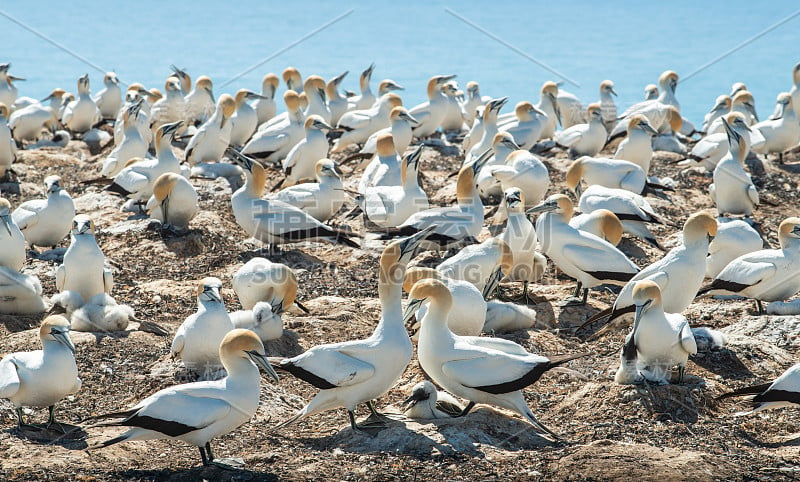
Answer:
[(490, 129), (82, 113), (743, 103), (321, 199), (722, 106), (359, 125), (431, 114), (197, 412), (174, 201), (8, 146), (573, 112), (45, 222), (657, 110), (781, 132), (212, 138), (733, 191), (273, 143), (19, 293), (300, 162), (585, 139), (27, 123)]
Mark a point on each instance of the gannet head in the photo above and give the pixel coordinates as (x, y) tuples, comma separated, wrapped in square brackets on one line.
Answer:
[(594, 112), (640, 122), (746, 100), (400, 252), (428, 289), (52, 184), (796, 74), (738, 122), (56, 328), (244, 344), (789, 231), (784, 104), (607, 87), (110, 79), (208, 290), (435, 84), (651, 92), (82, 225), (55, 94), (292, 100), (557, 203), (411, 161), (400, 112), (737, 87), (366, 75), (385, 145), (227, 105), (550, 91), (83, 84), (388, 85), (293, 79), (645, 295), (392, 100), (698, 227), (421, 392), (4, 67), (168, 130), (722, 104), (735, 140), (493, 107), (3, 110), (332, 87), (416, 273), (504, 139), (162, 188), (473, 89), (315, 122), (575, 174), (270, 83), (204, 84), (668, 80), (184, 78), (514, 199), (325, 168), (610, 225), (675, 119), (313, 83), (523, 110)]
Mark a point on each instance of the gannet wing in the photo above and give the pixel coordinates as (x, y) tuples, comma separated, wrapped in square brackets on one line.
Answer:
[(9, 378), (686, 339), (498, 344), (179, 410), (594, 259), (496, 372), (328, 366), (747, 273), (108, 280), (61, 276), (27, 214)]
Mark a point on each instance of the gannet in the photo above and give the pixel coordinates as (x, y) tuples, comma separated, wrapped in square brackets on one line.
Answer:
[(548, 104), (613, 173), (359, 125), (275, 222), (109, 100), (764, 275), (527, 129), (637, 145), (293, 79), (479, 369), (607, 104), (721, 107), (67, 99), (655, 109), (134, 94), (244, 119), (795, 90), (8, 147), (475, 132), (780, 133), (630, 208), (782, 392), (367, 98), (301, 160), (197, 412), (8, 91), (427, 403), (658, 342), (84, 270), (170, 108), (132, 145), (520, 236), (483, 265), (490, 129), (651, 92), (337, 103), (199, 102), (44, 377), (11, 239), (430, 114), (453, 119), (198, 338), (81, 114), (712, 148), (212, 138), (585, 139), (20, 294), (321, 199), (384, 168), (265, 105), (571, 109), (733, 191), (174, 201), (27, 123), (45, 222), (184, 79), (471, 102), (401, 124), (525, 171), (469, 312), (743, 103), (273, 143), (602, 223), (504, 317), (502, 146), (263, 320), (60, 139), (262, 280), (358, 371), (589, 259), (734, 238), (317, 103), (386, 86)]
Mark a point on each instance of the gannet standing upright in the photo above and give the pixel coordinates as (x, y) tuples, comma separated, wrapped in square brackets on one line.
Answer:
[(301, 160), (430, 114), (490, 129), (337, 103), (721, 107), (527, 129), (549, 105), (637, 147), (293, 79), (384, 169), (402, 124), (244, 120), (782, 132), (132, 145), (472, 102), (109, 100), (45, 222), (200, 102), (607, 104), (8, 147), (733, 191), (11, 239), (170, 108), (265, 106), (212, 138), (81, 114), (8, 91), (712, 148), (367, 98), (184, 79), (520, 236), (453, 120)]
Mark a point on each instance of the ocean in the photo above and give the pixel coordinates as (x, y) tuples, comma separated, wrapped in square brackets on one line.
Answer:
[(510, 48)]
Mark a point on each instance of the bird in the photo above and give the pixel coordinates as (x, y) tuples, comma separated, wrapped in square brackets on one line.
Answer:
[(109, 99), (585, 139), (358, 371), (43, 377), (263, 320), (431, 113), (367, 98), (742, 102), (212, 138), (133, 145), (607, 104), (587, 258), (483, 265), (548, 95), (764, 275), (471, 102), (655, 110), (265, 105), (199, 102), (27, 123), (262, 280), (733, 191), (637, 145), (300, 162), (384, 169), (490, 129), (602, 171), (401, 124), (734, 238), (779, 393), (525, 171), (321, 199), (485, 370), (184, 79), (658, 341), (244, 120), (571, 109), (475, 132), (359, 125), (502, 146), (169, 108), (174, 201), (453, 121), (8, 147), (8, 91), (712, 148), (520, 236), (337, 103), (11, 239), (427, 403), (780, 133), (273, 143), (721, 107), (45, 222), (293, 79), (197, 412), (314, 89), (198, 338), (81, 114), (527, 129), (136, 93), (505, 317)]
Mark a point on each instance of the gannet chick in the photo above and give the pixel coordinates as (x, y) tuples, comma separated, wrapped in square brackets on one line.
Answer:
[(212, 138), (611, 173), (198, 412), (520, 236), (244, 119), (483, 265), (198, 338), (11, 239), (782, 132), (81, 114), (359, 125), (733, 191), (273, 143), (585, 139), (658, 342), (712, 148), (133, 145), (174, 201), (265, 105), (367, 98), (45, 222), (262, 280), (321, 199), (431, 113), (359, 371), (637, 145), (479, 369), (734, 238), (528, 127), (44, 377), (301, 160), (427, 403), (782, 392), (200, 102), (27, 123), (109, 100), (592, 261), (630, 208), (263, 320), (764, 275), (602, 223), (8, 147)]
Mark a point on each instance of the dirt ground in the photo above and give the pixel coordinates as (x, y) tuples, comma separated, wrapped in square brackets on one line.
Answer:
[(635, 432)]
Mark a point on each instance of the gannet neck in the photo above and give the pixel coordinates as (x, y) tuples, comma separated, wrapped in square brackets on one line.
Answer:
[(789, 233)]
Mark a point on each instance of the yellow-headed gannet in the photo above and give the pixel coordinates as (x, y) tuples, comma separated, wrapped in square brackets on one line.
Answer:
[(520, 236), (782, 132), (244, 119), (262, 280), (733, 191), (81, 114), (45, 222), (321, 199), (637, 146), (585, 139), (199, 102), (300, 162), (273, 143), (174, 201), (212, 138), (431, 113), (27, 123), (109, 100), (265, 105)]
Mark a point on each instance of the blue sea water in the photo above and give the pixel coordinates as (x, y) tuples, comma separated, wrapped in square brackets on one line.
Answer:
[(629, 42)]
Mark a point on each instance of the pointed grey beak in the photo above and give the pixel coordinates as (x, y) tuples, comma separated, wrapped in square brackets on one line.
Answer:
[(262, 363), (411, 243), (613, 92), (545, 207), (63, 338), (409, 118), (493, 283), (411, 309), (6, 223), (648, 128)]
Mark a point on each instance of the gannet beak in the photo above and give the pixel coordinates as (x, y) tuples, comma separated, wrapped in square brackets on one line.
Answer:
[(481, 161), (409, 118), (648, 128), (510, 144), (63, 338), (212, 293), (240, 159), (493, 283), (752, 109), (252, 95), (613, 92), (640, 309), (262, 363), (277, 308), (416, 397), (555, 107), (338, 79), (322, 125), (412, 159), (796, 229), (446, 78), (513, 199), (412, 308), (46, 98), (6, 223), (368, 73), (545, 207), (411, 243), (14, 77)]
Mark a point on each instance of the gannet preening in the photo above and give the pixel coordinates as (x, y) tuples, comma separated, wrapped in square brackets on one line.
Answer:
[(81, 114), (384, 169), (734, 238), (321, 199), (27, 123), (212, 138), (637, 145), (265, 105), (721, 107), (656, 110), (471, 102), (430, 114), (264, 320), (520, 236), (45, 222), (764, 275), (169, 108), (174, 201), (198, 338), (743, 103), (589, 259), (658, 342), (548, 104), (453, 119), (275, 222), (44, 377), (200, 102), (479, 369), (244, 119), (401, 124), (262, 280), (502, 146), (490, 129), (11, 239), (133, 145), (602, 223), (585, 139), (712, 148), (633, 211), (359, 125), (505, 317), (8, 147), (733, 191), (359, 371), (612, 173), (483, 265), (136, 93), (337, 103), (427, 403), (469, 311), (784, 391), (781, 132), (367, 98), (109, 100), (300, 162), (197, 412), (527, 129), (293, 79), (273, 143), (8, 91)]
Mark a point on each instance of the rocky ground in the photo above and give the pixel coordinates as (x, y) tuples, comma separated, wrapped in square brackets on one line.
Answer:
[(636, 432)]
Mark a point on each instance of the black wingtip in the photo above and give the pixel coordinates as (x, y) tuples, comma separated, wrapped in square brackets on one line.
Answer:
[(115, 188), (751, 390)]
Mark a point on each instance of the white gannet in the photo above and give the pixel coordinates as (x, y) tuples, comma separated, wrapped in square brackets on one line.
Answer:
[(293, 79), (651, 92), (734, 238), (265, 105), (314, 91), (743, 103), (712, 148), (483, 265), (525, 171), (199, 102), (45, 222), (427, 403), (658, 342), (471, 102), (384, 168), (780, 133), (502, 146), (337, 103), (198, 338), (431, 113), (520, 236), (174, 201), (637, 146), (505, 317), (401, 125), (84, 270), (300, 162), (479, 369), (169, 108), (630, 208), (453, 119), (273, 143), (367, 98), (607, 104), (244, 119), (20, 294), (212, 138), (275, 222), (11, 239), (475, 132), (721, 107), (654, 109), (359, 125), (8, 146), (601, 222), (184, 79), (548, 104), (613, 173), (490, 129), (134, 94), (589, 259), (358, 371), (198, 412), (132, 145), (733, 191), (27, 123), (262, 280), (8, 91), (109, 100), (585, 139), (44, 377), (764, 275), (527, 129), (81, 114), (571, 109), (264, 320), (321, 199), (66, 100), (386, 86), (795, 90), (779, 393)]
